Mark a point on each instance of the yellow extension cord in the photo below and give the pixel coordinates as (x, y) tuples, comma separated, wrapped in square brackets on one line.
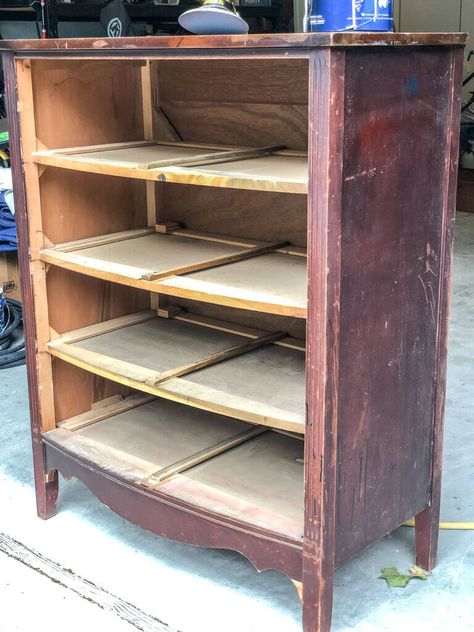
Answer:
[(453, 526)]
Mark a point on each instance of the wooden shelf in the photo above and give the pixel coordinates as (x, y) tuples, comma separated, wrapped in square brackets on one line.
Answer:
[(187, 359), (197, 266), (255, 168), (259, 481)]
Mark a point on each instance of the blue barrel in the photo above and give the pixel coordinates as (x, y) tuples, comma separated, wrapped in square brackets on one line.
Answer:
[(349, 15)]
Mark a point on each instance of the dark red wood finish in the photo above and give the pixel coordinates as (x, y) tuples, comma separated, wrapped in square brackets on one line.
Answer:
[(384, 113), (176, 520), (427, 521), (326, 106), (286, 41), (395, 240)]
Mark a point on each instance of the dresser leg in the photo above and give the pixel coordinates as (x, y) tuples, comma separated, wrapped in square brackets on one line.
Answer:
[(426, 536), (47, 488), (317, 604)]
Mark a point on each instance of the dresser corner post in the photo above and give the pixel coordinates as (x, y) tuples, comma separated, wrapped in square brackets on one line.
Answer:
[(46, 482), (326, 141), (427, 521)]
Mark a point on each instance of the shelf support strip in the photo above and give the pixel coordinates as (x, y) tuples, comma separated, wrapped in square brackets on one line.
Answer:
[(199, 457), (248, 253), (213, 158), (215, 358)]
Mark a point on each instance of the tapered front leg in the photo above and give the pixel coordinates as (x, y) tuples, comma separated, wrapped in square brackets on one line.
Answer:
[(47, 489), (426, 536), (317, 598)]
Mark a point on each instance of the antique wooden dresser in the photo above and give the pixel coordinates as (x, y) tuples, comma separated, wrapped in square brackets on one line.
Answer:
[(236, 262)]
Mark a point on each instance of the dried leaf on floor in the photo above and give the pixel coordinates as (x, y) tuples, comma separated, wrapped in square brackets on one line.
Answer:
[(417, 571), (395, 579)]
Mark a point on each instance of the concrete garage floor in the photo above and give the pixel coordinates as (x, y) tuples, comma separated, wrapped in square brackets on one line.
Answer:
[(89, 569)]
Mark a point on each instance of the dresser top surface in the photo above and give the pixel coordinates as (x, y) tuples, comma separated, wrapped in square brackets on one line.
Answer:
[(294, 41)]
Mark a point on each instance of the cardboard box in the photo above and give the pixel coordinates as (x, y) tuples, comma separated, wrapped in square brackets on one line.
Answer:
[(9, 275)]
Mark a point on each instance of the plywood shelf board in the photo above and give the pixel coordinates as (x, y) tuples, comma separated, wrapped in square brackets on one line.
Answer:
[(172, 228), (175, 229), (220, 325), (274, 283), (97, 414), (156, 262), (200, 457), (217, 358), (247, 168), (154, 254), (283, 173), (261, 478), (267, 389), (126, 446)]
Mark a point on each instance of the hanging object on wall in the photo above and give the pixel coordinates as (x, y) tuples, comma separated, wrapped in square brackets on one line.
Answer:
[(214, 17), (115, 20), (349, 15)]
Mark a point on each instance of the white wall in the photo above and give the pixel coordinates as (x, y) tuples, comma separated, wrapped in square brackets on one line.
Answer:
[(431, 15)]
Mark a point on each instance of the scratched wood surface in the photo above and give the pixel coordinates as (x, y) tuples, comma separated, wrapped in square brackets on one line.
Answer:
[(175, 46), (392, 232)]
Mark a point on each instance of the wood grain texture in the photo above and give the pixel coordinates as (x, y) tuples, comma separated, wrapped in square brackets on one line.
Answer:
[(61, 91), (81, 92), (272, 283), (100, 413), (80, 205), (280, 172), (327, 85), (149, 257), (102, 240), (270, 99), (427, 522), (38, 365), (249, 214), (221, 356), (395, 240), (180, 45), (46, 487), (296, 327)]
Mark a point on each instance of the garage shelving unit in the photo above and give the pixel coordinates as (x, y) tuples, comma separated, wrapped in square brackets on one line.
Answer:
[(236, 285)]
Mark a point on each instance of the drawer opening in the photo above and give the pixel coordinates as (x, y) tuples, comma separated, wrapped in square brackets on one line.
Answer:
[(253, 375), (246, 473)]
